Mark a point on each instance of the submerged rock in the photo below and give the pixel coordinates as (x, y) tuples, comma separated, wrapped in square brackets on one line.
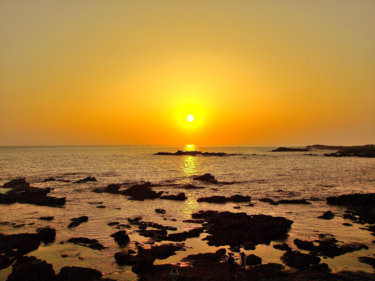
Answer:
[(77, 221), (90, 243), (226, 228), (223, 199)]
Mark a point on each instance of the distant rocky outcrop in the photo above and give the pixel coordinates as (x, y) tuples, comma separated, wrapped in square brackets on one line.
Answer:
[(367, 150), (195, 153), (290, 149)]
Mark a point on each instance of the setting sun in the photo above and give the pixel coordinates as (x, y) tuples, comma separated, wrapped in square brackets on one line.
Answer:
[(190, 118)]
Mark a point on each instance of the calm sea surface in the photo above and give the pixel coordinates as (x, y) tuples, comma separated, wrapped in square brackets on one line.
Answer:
[(259, 173)]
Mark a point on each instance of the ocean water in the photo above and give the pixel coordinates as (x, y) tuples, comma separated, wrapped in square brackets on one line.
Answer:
[(257, 171)]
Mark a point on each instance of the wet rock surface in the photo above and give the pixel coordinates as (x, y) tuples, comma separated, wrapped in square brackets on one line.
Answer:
[(142, 192), (299, 260), (121, 237), (77, 221), (90, 243), (22, 192), (226, 228), (223, 199)]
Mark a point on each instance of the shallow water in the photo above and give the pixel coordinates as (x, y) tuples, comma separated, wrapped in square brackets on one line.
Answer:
[(277, 175)]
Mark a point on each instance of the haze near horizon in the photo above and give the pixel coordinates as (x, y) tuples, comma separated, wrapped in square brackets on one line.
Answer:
[(179, 72)]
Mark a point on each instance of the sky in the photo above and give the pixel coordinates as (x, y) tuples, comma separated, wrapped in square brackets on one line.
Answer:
[(130, 72)]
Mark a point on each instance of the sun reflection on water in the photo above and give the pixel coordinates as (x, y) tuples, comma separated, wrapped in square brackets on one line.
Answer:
[(190, 165)]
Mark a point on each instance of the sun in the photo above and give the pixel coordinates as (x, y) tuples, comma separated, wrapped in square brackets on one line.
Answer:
[(190, 118)]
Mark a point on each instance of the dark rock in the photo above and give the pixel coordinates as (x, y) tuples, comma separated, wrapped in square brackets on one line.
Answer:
[(206, 258), (121, 237), (101, 207), (16, 183), (164, 251), (206, 178), (91, 243), (223, 199), (77, 221), (179, 197), (293, 201), (154, 233), (190, 186), (33, 195), (144, 225), (304, 245), (253, 260), (46, 234), (111, 188), (49, 179), (113, 223), (289, 149), (282, 247), (32, 269), (85, 180), (194, 153), (141, 192), (73, 273), (353, 200), (327, 215), (194, 221), (5, 199), (367, 260), (5, 261), (268, 200), (182, 236), (19, 244), (321, 267), (299, 260), (347, 224), (354, 151), (226, 228), (48, 218), (160, 211)]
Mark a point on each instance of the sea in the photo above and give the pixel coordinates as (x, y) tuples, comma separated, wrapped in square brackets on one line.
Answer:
[(255, 170)]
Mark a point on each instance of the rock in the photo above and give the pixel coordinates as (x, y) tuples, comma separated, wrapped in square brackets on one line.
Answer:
[(77, 221), (226, 228), (121, 237), (268, 200), (154, 233), (141, 192), (160, 211), (223, 199), (33, 195), (19, 244), (190, 186), (299, 260), (194, 153), (367, 260), (354, 151), (282, 247), (194, 221), (5, 261), (144, 225), (293, 201), (5, 199), (73, 273), (289, 149), (253, 260), (179, 197), (206, 258), (91, 243), (16, 183), (49, 179), (321, 267), (327, 215), (353, 200), (111, 188), (182, 236), (113, 223), (347, 224), (32, 269), (46, 234), (164, 251), (206, 178), (48, 218), (304, 245), (85, 180)]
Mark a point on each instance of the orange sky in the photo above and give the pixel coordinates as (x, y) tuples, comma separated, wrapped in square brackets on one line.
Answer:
[(129, 72)]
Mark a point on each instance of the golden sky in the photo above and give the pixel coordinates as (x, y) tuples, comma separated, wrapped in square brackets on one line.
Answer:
[(129, 72)]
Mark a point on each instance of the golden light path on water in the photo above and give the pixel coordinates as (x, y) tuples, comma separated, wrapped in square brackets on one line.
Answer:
[(190, 167)]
